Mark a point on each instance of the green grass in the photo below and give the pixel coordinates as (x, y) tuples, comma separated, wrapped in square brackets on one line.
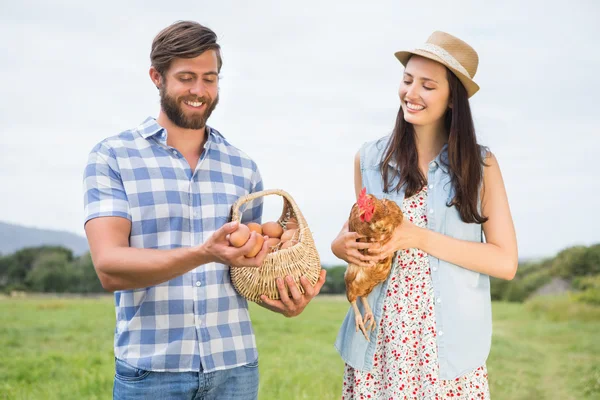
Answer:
[(62, 349)]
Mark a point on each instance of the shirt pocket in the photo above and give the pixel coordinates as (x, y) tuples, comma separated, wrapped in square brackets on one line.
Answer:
[(225, 195)]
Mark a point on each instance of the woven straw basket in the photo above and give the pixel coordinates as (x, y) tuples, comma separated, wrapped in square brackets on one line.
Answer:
[(302, 259)]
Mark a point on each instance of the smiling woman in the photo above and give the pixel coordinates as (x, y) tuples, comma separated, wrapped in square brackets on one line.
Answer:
[(433, 312)]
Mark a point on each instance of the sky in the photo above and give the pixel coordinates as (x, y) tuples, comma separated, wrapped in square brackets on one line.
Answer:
[(303, 85)]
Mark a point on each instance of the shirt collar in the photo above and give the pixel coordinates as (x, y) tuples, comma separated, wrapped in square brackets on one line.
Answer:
[(150, 128)]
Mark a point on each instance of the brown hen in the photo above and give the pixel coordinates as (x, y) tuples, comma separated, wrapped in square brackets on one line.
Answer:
[(376, 220)]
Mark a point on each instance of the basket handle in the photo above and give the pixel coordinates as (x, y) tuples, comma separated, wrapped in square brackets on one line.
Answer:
[(235, 209)]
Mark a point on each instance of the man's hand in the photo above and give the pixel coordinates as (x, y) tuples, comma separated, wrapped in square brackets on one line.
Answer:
[(291, 307), (218, 248)]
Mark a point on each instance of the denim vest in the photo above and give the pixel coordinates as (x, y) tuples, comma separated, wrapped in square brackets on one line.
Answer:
[(463, 314)]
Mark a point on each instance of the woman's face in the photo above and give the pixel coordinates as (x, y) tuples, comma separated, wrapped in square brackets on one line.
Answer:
[(424, 91)]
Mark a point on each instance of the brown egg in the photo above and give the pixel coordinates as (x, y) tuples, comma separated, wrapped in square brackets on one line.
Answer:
[(256, 249), (289, 234), (254, 227), (272, 242), (272, 229), (291, 223), (288, 244), (239, 237)]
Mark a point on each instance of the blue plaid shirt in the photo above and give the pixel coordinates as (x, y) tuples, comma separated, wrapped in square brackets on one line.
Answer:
[(196, 321)]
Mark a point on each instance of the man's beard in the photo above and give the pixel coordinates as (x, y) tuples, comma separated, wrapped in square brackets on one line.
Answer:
[(173, 110)]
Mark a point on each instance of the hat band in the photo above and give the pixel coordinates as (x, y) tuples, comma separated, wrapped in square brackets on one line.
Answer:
[(445, 56)]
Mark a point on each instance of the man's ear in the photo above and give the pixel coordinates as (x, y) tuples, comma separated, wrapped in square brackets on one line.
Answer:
[(155, 77)]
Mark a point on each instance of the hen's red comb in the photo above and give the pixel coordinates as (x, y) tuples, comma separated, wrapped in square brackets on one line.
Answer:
[(362, 197), (365, 204)]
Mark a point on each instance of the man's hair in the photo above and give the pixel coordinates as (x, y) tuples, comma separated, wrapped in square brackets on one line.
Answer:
[(183, 39)]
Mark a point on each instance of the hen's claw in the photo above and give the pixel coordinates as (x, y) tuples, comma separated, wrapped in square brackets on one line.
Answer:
[(369, 322), (369, 319), (360, 324)]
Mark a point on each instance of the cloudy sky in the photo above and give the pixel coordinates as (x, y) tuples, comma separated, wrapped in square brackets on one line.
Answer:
[(303, 85)]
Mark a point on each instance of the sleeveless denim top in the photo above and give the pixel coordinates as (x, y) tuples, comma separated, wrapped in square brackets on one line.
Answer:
[(462, 302)]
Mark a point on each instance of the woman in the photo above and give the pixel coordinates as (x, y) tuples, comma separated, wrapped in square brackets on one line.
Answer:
[(433, 312)]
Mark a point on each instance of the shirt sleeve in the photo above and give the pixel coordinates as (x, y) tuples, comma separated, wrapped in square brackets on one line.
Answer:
[(104, 193), (254, 210)]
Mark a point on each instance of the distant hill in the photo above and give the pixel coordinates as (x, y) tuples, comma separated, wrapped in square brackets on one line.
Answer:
[(15, 237)]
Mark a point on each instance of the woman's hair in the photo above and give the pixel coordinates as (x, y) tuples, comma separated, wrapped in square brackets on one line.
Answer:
[(465, 159), (183, 39)]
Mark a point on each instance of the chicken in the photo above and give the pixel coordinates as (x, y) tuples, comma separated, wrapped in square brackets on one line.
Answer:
[(375, 219)]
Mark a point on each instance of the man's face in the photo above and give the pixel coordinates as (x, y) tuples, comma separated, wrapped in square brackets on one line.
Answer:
[(189, 90)]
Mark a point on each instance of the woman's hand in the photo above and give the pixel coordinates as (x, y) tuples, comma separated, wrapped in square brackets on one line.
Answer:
[(345, 246), (406, 236)]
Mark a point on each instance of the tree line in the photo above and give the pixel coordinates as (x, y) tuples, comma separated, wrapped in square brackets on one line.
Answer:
[(55, 269)]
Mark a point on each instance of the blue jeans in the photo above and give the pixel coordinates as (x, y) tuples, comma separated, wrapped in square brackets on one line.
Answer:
[(239, 383)]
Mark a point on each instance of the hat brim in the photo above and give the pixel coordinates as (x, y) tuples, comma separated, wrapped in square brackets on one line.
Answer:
[(470, 86)]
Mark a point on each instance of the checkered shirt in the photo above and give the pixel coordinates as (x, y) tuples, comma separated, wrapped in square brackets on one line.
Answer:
[(196, 321)]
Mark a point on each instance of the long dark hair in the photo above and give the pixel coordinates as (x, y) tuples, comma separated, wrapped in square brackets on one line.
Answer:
[(465, 161)]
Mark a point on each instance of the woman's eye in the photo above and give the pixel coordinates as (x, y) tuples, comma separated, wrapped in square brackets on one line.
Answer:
[(407, 82), (427, 88)]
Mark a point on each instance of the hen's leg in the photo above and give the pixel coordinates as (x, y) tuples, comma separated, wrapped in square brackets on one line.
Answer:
[(359, 321), (369, 319)]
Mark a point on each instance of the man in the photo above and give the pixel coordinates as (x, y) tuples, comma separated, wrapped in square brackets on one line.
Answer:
[(157, 200)]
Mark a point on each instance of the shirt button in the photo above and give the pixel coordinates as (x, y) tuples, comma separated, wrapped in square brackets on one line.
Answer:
[(439, 300), (431, 211), (430, 186), (440, 333), (196, 214), (198, 283), (434, 269)]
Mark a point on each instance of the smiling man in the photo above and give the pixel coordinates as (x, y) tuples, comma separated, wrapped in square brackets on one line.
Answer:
[(157, 201)]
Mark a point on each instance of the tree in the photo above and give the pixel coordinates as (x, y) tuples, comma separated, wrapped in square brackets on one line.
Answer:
[(577, 261), (335, 280), (18, 265), (88, 279), (51, 272)]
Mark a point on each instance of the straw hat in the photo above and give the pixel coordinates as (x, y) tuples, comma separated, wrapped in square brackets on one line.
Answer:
[(451, 52)]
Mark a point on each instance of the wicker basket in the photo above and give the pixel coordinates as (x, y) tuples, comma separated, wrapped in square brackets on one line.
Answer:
[(302, 259)]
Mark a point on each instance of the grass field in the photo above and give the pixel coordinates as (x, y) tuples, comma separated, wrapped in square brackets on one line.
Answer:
[(53, 348)]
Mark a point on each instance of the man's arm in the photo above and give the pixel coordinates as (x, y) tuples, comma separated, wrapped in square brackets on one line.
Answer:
[(291, 307), (121, 267)]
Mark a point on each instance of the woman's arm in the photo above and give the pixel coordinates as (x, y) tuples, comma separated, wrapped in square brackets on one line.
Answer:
[(498, 257)]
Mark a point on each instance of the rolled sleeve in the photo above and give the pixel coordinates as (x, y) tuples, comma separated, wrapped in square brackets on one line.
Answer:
[(104, 193)]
